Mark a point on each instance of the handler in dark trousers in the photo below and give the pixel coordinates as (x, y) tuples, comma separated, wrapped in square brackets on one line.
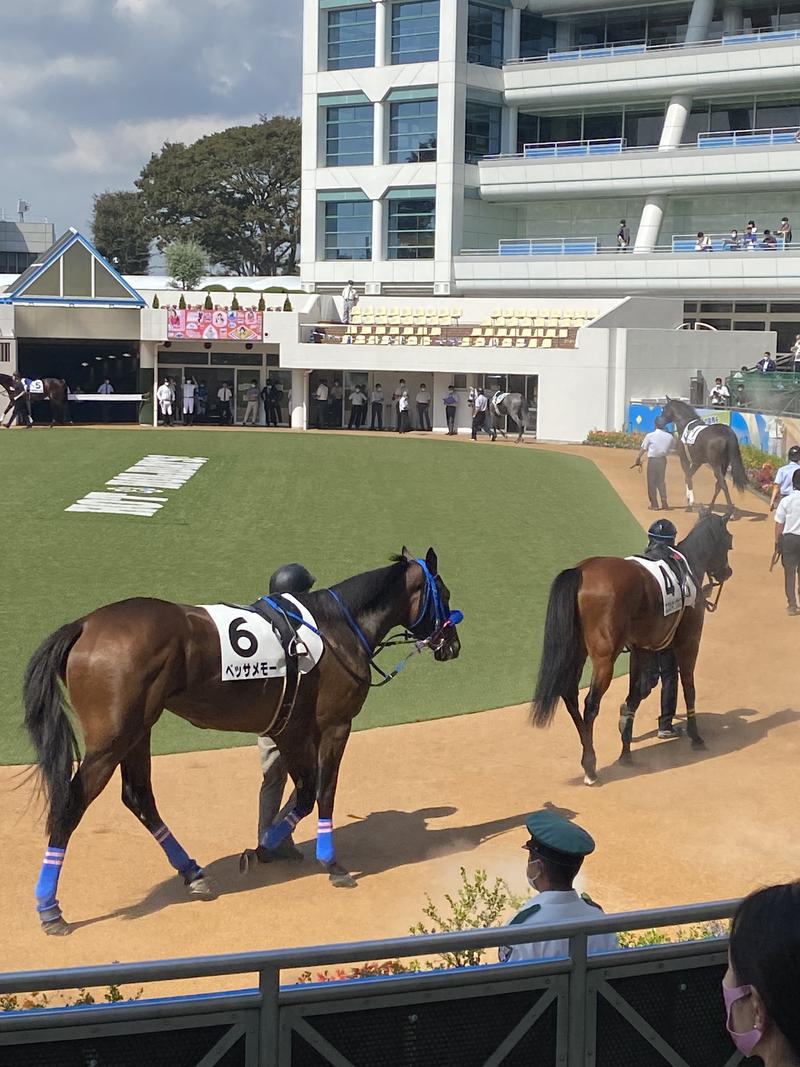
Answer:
[(661, 666), (787, 540), (656, 446), (291, 578)]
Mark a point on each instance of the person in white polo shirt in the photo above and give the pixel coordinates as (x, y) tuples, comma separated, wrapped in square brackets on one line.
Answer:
[(189, 390), (782, 485), (656, 445), (787, 541)]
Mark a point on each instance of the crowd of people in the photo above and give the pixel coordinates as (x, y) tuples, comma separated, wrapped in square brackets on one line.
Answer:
[(190, 402), (749, 240), (326, 407)]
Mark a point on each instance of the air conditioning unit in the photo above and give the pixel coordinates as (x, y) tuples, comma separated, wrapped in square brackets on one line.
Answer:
[(441, 288), (372, 289)]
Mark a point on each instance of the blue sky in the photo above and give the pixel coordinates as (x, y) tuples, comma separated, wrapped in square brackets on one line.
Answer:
[(90, 88)]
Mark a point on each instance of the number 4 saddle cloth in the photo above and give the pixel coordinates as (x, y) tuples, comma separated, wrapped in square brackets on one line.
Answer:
[(266, 640), (674, 577)]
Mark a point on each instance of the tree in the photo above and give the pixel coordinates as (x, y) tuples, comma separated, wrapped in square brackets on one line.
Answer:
[(187, 262), (236, 192), (120, 232)]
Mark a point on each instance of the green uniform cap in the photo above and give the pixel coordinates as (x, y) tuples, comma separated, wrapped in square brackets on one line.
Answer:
[(552, 833)]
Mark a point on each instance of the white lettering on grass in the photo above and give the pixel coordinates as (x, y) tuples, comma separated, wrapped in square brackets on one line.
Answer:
[(139, 489)]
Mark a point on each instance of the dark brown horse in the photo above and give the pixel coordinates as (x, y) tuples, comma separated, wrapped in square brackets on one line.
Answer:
[(715, 444), (55, 390), (123, 664), (607, 604)]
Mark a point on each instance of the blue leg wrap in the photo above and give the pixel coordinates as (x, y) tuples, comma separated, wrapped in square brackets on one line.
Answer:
[(47, 885), (275, 834), (325, 853), (177, 856)]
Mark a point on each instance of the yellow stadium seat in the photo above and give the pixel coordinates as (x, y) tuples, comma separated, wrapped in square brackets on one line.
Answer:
[(411, 341), (394, 330), (479, 342), (387, 340), (533, 342), (487, 322), (546, 343), (477, 331), (508, 342), (360, 340), (436, 331), (521, 342), (496, 314)]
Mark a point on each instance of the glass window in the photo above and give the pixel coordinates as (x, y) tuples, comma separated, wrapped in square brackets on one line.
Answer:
[(771, 114), (626, 26), (666, 25), (351, 38), (643, 128), (348, 230), (412, 229), (415, 31), (412, 131), (482, 133), (485, 35), (789, 18), (602, 127), (527, 130), (349, 136), (727, 117), (536, 35), (696, 122), (590, 29), (560, 127)]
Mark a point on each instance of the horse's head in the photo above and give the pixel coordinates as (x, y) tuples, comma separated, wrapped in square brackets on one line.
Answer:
[(429, 606), (716, 541), (667, 415)]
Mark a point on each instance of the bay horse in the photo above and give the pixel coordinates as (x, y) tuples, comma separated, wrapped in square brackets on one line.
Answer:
[(717, 445), (603, 606), (123, 664), (513, 405), (56, 391)]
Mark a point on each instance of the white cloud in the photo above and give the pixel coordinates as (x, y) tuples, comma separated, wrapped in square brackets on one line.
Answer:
[(141, 9), (125, 147), (20, 79)]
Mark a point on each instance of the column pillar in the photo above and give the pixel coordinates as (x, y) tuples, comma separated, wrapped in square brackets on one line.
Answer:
[(378, 231), (511, 43), (732, 20), (650, 224), (699, 21), (381, 33), (146, 382), (675, 118), (298, 419), (508, 140), (563, 35), (379, 139)]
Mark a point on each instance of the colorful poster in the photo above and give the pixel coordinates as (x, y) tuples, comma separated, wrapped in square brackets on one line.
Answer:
[(750, 427), (220, 324)]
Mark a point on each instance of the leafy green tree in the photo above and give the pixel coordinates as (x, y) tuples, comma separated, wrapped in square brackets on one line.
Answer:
[(187, 262), (237, 193), (120, 232)]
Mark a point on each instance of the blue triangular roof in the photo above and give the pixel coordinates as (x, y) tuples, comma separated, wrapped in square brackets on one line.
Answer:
[(17, 291)]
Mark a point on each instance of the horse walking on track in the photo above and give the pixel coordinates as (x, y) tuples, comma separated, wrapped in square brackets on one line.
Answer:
[(606, 604), (124, 663), (53, 389), (714, 444), (513, 405)]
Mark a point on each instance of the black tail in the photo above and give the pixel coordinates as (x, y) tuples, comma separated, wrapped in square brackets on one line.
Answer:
[(47, 722), (738, 472), (562, 632)]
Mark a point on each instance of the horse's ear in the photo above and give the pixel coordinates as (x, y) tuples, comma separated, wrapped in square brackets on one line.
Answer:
[(668, 398), (431, 562), (406, 554)]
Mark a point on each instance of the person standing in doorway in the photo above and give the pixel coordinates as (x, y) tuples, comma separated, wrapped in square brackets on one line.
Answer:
[(450, 409), (787, 542), (404, 424), (106, 389), (479, 410), (358, 408), (335, 398), (164, 398), (423, 401), (656, 445), (224, 399), (252, 397), (265, 400), (399, 389), (320, 399), (376, 408), (275, 401), (201, 400), (189, 390), (349, 301)]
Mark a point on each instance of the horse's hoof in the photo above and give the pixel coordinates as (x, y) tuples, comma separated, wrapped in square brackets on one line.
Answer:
[(57, 928), (339, 877), (247, 858), (698, 742), (590, 779), (626, 758), (204, 888)]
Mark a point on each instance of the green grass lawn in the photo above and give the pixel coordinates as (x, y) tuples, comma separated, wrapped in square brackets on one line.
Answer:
[(504, 521)]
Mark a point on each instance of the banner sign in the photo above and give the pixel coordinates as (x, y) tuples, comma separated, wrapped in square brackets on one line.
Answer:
[(752, 428), (222, 324)]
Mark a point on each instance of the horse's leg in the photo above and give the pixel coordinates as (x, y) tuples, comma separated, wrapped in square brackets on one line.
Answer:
[(602, 672), (570, 696), (137, 796), (687, 657), (331, 750), (640, 686), (689, 471)]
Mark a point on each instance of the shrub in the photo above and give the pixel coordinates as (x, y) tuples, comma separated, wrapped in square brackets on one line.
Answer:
[(234, 303), (156, 301), (34, 1001), (261, 304), (208, 303), (214, 287), (182, 302), (614, 439), (287, 304)]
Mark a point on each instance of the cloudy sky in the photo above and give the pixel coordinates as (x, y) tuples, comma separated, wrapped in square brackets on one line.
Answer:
[(89, 88)]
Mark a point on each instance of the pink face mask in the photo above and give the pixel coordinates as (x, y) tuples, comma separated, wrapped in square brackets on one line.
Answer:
[(745, 1043)]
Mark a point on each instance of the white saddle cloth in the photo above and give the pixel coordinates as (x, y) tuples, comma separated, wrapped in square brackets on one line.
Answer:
[(34, 385), (250, 648), (673, 596), (692, 432), (497, 400)]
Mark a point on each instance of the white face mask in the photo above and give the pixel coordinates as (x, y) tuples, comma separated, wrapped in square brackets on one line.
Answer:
[(532, 877)]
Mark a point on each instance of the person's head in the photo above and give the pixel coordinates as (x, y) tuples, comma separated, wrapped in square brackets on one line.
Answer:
[(402, 381), (740, 387), (556, 850), (291, 578), (336, 381), (794, 454), (662, 532), (480, 392), (700, 234), (254, 382), (762, 983), (747, 368), (622, 222), (349, 281), (422, 385), (451, 388), (766, 355), (377, 385), (767, 233), (106, 381), (718, 381), (734, 232), (751, 223), (796, 480), (785, 218)]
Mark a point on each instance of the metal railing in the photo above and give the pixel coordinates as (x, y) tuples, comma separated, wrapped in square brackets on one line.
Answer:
[(594, 146), (535, 247), (749, 138), (724, 242), (547, 246), (575, 1010)]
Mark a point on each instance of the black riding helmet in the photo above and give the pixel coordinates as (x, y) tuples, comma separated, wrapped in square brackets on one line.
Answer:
[(794, 454), (291, 578), (663, 531)]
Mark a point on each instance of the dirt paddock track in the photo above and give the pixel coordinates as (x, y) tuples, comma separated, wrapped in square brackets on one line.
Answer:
[(418, 801)]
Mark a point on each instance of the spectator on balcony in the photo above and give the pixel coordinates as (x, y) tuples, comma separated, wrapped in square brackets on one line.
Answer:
[(767, 364), (740, 398), (376, 408), (796, 354), (703, 242), (623, 236), (733, 242), (768, 241), (751, 236), (720, 395), (556, 851), (785, 230), (350, 299), (762, 983)]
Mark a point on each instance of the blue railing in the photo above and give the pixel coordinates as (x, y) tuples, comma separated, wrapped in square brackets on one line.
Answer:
[(600, 146), (598, 51), (548, 246), (749, 138), (758, 37), (723, 242)]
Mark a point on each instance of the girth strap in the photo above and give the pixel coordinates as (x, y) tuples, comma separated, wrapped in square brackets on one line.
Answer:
[(276, 612)]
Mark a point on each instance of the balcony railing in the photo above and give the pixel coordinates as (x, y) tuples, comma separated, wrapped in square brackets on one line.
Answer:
[(623, 48), (749, 138), (548, 246), (595, 147), (724, 242), (530, 247)]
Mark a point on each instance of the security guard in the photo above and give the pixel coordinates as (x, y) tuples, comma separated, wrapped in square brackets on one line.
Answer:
[(661, 666), (290, 578), (556, 851), (782, 484), (656, 445), (787, 540)]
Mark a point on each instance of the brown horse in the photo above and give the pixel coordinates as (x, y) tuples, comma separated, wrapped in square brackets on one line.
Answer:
[(607, 604), (123, 664), (55, 390)]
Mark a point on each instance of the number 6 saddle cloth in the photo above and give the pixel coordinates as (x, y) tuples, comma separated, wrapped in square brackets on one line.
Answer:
[(263, 641), (674, 577)]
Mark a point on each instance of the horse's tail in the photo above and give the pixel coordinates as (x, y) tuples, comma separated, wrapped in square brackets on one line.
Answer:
[(738, 473), (562, 632), (48, 724)]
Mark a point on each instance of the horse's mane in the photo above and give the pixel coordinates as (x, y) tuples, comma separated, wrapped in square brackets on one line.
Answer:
[(680, 407), (362, 591), (703, 535)]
